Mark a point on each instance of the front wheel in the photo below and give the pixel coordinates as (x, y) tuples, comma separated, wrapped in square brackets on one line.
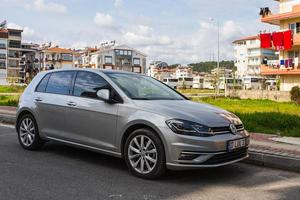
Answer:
[(28, 133), (144, 154)]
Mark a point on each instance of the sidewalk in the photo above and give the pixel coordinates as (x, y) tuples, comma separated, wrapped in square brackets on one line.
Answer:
[(7, 114), (274, 151), (267, 150)]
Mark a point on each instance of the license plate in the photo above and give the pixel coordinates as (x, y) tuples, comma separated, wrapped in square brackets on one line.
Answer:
[(236, 144)]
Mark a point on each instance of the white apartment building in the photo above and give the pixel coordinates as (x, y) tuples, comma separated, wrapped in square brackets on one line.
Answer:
[(3, 56), (155, 66), (184, 72), (10, 55), (120, 57), (249, 56), (56, 58)]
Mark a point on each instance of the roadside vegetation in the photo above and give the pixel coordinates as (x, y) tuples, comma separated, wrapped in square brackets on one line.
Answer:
[(9, 100), (262, 116), (11, 89), (197, 91)]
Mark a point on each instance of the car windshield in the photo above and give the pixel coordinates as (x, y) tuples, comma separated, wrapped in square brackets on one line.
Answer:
[(139, 87)]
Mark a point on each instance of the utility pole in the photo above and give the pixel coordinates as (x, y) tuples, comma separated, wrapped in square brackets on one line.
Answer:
[(218, 58), (218, 61)]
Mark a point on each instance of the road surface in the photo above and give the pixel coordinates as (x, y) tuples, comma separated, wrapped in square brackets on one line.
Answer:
[(62, 172)]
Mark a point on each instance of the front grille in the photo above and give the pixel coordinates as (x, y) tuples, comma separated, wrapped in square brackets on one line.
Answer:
[(226, 157), (226, 129)]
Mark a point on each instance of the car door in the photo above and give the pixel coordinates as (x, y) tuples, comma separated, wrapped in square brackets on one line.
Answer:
[(90, 120), (51, 103)]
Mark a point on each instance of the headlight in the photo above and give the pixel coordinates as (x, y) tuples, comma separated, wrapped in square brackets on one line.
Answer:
[(184, 127)]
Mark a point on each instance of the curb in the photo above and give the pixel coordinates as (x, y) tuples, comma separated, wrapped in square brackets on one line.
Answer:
[(8, 119), (273, 161)]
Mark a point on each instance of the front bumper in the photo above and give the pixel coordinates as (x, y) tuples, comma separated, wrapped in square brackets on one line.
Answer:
[(189, 152)]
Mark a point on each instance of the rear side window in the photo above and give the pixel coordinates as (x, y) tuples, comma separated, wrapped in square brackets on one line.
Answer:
[(60, 83), (43, 84), (87, 84)]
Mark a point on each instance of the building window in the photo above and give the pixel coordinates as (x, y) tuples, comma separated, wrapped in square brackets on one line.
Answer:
[(125, 53), (13, 54), (295, 27), (13, 63), (121, 52), (2, 56), (2, 64), (15, 33), (136, 61), (66, 57), (14, 44), (2, 46), (108, 60), (129, 53)]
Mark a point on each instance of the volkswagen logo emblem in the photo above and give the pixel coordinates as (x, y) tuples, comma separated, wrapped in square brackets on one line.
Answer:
[(233, 129)]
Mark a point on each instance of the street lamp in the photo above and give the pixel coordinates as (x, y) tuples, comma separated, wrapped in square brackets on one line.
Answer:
[(218, 56)]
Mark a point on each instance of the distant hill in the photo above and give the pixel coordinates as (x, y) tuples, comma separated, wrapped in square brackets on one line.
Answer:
[(209, 65)]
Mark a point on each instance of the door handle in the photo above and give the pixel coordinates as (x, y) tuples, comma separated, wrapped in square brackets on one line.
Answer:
[(71, 104), (38, 99)]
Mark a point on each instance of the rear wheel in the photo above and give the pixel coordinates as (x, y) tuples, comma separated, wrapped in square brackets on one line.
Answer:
[(28, 133), (144, 154)]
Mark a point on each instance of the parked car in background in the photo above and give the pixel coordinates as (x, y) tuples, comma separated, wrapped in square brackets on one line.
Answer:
[(131, 116)]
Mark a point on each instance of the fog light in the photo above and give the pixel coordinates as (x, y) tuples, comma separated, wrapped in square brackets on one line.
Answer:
[(188, 156)]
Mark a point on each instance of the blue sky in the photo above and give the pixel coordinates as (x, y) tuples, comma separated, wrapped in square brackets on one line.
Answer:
[(177, 31)]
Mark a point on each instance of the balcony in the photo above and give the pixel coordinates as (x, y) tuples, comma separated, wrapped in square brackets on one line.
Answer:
[(269, 70), (284, 14), (296, 39)]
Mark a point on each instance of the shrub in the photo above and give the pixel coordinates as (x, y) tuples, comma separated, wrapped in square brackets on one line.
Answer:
[(295, 94)]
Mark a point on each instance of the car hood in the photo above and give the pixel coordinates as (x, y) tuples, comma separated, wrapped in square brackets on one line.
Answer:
[(188, 110)]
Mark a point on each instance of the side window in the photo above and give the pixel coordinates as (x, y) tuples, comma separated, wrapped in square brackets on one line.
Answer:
[(60, 83), (43, 84), (87, 84)]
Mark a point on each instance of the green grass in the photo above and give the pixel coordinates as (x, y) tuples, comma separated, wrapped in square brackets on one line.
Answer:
[(11, 89), (9, 100), (262, 116)]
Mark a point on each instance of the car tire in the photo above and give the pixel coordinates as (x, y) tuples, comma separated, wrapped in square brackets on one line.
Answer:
[(152, 158), (28, 133)]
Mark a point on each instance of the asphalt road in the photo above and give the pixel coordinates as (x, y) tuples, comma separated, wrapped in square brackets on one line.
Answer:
[(62, 172)]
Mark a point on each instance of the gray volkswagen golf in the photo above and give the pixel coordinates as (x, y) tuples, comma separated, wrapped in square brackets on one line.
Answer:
[(130, 116)]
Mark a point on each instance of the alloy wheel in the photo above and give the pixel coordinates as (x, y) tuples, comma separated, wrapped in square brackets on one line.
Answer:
[(142, 154), (27, 132)]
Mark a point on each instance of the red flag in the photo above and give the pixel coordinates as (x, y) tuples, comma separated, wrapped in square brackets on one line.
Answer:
[(265, 40), (287, 35)]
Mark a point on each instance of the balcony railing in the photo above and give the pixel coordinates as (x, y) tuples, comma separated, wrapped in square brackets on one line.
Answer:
[(279, 70)]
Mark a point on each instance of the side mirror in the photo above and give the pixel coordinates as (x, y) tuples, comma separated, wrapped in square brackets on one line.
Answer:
[(104, 94)]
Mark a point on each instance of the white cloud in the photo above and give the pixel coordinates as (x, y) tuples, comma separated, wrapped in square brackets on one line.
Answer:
[(194, 46), (14, 26), (49, 7), (143, 36), (28, 33), (104, 20)]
